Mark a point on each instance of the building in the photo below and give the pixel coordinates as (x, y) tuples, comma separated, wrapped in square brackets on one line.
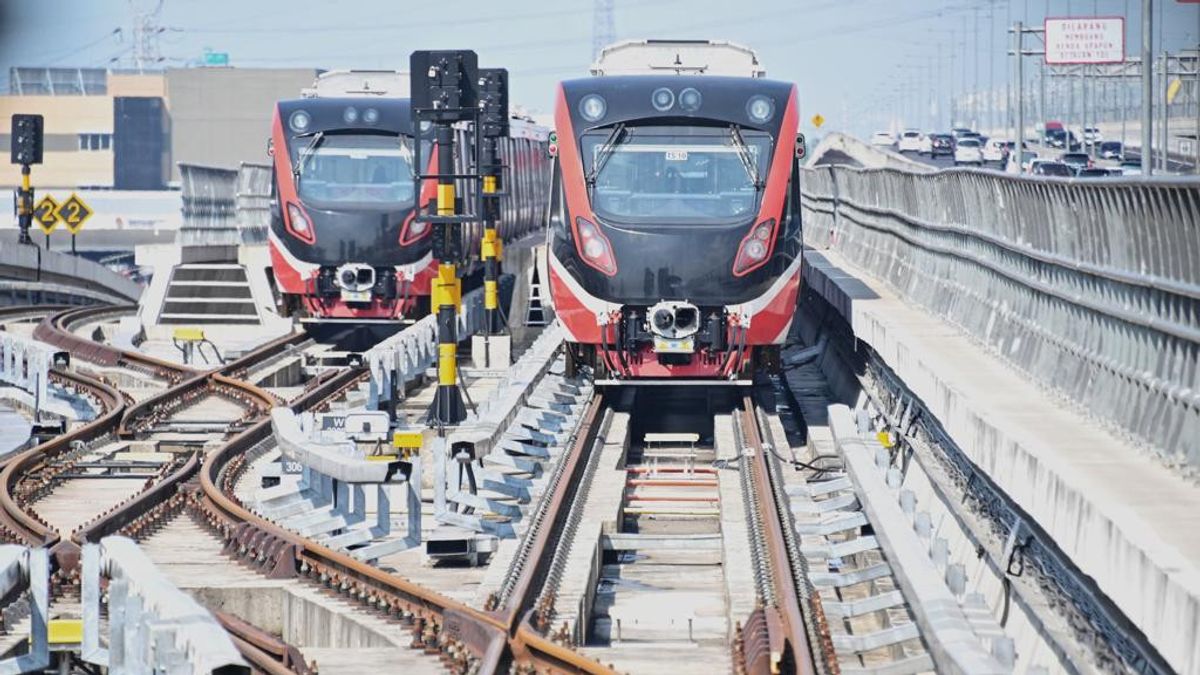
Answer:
[(128, 131)]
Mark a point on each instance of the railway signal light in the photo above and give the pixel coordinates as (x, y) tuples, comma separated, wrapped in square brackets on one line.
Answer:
[(27, 139), (493, 102), (444, 91), (26, 149), (493, 105)]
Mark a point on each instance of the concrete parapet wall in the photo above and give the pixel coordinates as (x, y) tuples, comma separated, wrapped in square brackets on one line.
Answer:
[(1091, 289), (23, 263), (1119, 515)]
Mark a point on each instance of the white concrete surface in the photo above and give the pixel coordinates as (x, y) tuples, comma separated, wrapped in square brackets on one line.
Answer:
[(1124, 518)]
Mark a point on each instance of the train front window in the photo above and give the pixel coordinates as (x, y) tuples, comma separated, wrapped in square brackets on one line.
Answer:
[(367, 170), (684, 175)]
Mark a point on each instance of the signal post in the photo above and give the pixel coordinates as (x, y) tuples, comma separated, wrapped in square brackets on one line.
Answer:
[(493, 349), (26, 150), (444, 92)]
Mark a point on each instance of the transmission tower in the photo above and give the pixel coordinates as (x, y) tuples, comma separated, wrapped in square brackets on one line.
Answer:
[(146, 33), (603, 32)]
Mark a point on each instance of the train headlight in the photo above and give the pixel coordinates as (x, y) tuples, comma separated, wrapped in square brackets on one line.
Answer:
[(760, 109), (298, 225), (350, 115), (592, 107), (298, 121), (370, 116), (662, 99), (594, 248), (690, 99), (412, 229), (754, 249)]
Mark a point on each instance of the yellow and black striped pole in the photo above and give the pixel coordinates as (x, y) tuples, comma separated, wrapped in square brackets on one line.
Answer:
[(491, 248), (25, 209), (446, 294)]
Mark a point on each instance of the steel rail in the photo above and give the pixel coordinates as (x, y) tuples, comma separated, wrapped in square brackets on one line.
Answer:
[(518, 612), (21, 523), (785, 629), (16, 524), (494, 639), (265, 652), (255, 396), (56, 330)]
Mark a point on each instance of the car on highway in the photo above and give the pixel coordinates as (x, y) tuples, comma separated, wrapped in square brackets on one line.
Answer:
[(1027, 158), (1092, 135), (1130, 167), (1112, 150), (910, 141), (925, 144), (1050, 167), (1076, 160), (1097, 172), (882, 139), (996, 150), (941, 144), (1060, 138), (968, 151), (959, 132)]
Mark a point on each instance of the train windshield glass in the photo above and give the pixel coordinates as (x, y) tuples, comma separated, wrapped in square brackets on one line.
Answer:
[(685, 175), (368, 170)]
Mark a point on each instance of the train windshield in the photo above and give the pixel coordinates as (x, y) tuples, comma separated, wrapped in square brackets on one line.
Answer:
[(686, 175), (337, 170)]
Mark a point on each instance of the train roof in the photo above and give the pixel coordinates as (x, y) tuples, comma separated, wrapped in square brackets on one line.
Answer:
[(678, 57), (392, 115), (725, 99), (360, 84)]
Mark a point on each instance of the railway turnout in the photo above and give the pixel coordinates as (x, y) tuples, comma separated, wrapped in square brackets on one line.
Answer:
[(969, 445)]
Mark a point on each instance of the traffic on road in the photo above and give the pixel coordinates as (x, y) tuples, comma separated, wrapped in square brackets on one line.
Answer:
[(1057, 151)]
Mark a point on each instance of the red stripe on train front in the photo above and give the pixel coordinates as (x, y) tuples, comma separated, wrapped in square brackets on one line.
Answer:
[(769, 324), (576, 318)]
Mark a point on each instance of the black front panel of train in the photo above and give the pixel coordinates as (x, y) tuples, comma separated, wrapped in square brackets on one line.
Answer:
[(675, 263), (371, 237)]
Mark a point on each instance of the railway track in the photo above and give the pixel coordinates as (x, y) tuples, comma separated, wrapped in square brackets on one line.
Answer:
[(32, 479), (514, 631), (782, 634)]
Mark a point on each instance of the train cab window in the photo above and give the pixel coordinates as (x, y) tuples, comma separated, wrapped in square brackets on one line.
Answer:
[(361, 169), (685, 175)]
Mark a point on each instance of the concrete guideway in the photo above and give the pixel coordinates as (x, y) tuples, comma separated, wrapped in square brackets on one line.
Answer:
[(63, 273), (1134, 537)]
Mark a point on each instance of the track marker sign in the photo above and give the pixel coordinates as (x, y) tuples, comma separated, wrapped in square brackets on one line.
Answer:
[(45, 213), (1085, 40), (74, 213)]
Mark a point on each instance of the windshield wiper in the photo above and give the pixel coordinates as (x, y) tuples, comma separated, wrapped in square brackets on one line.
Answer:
[(307, 152), (605, 152), (744, 154)]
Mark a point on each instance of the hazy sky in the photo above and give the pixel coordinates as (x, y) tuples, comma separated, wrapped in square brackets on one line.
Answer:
[(850, 57)]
